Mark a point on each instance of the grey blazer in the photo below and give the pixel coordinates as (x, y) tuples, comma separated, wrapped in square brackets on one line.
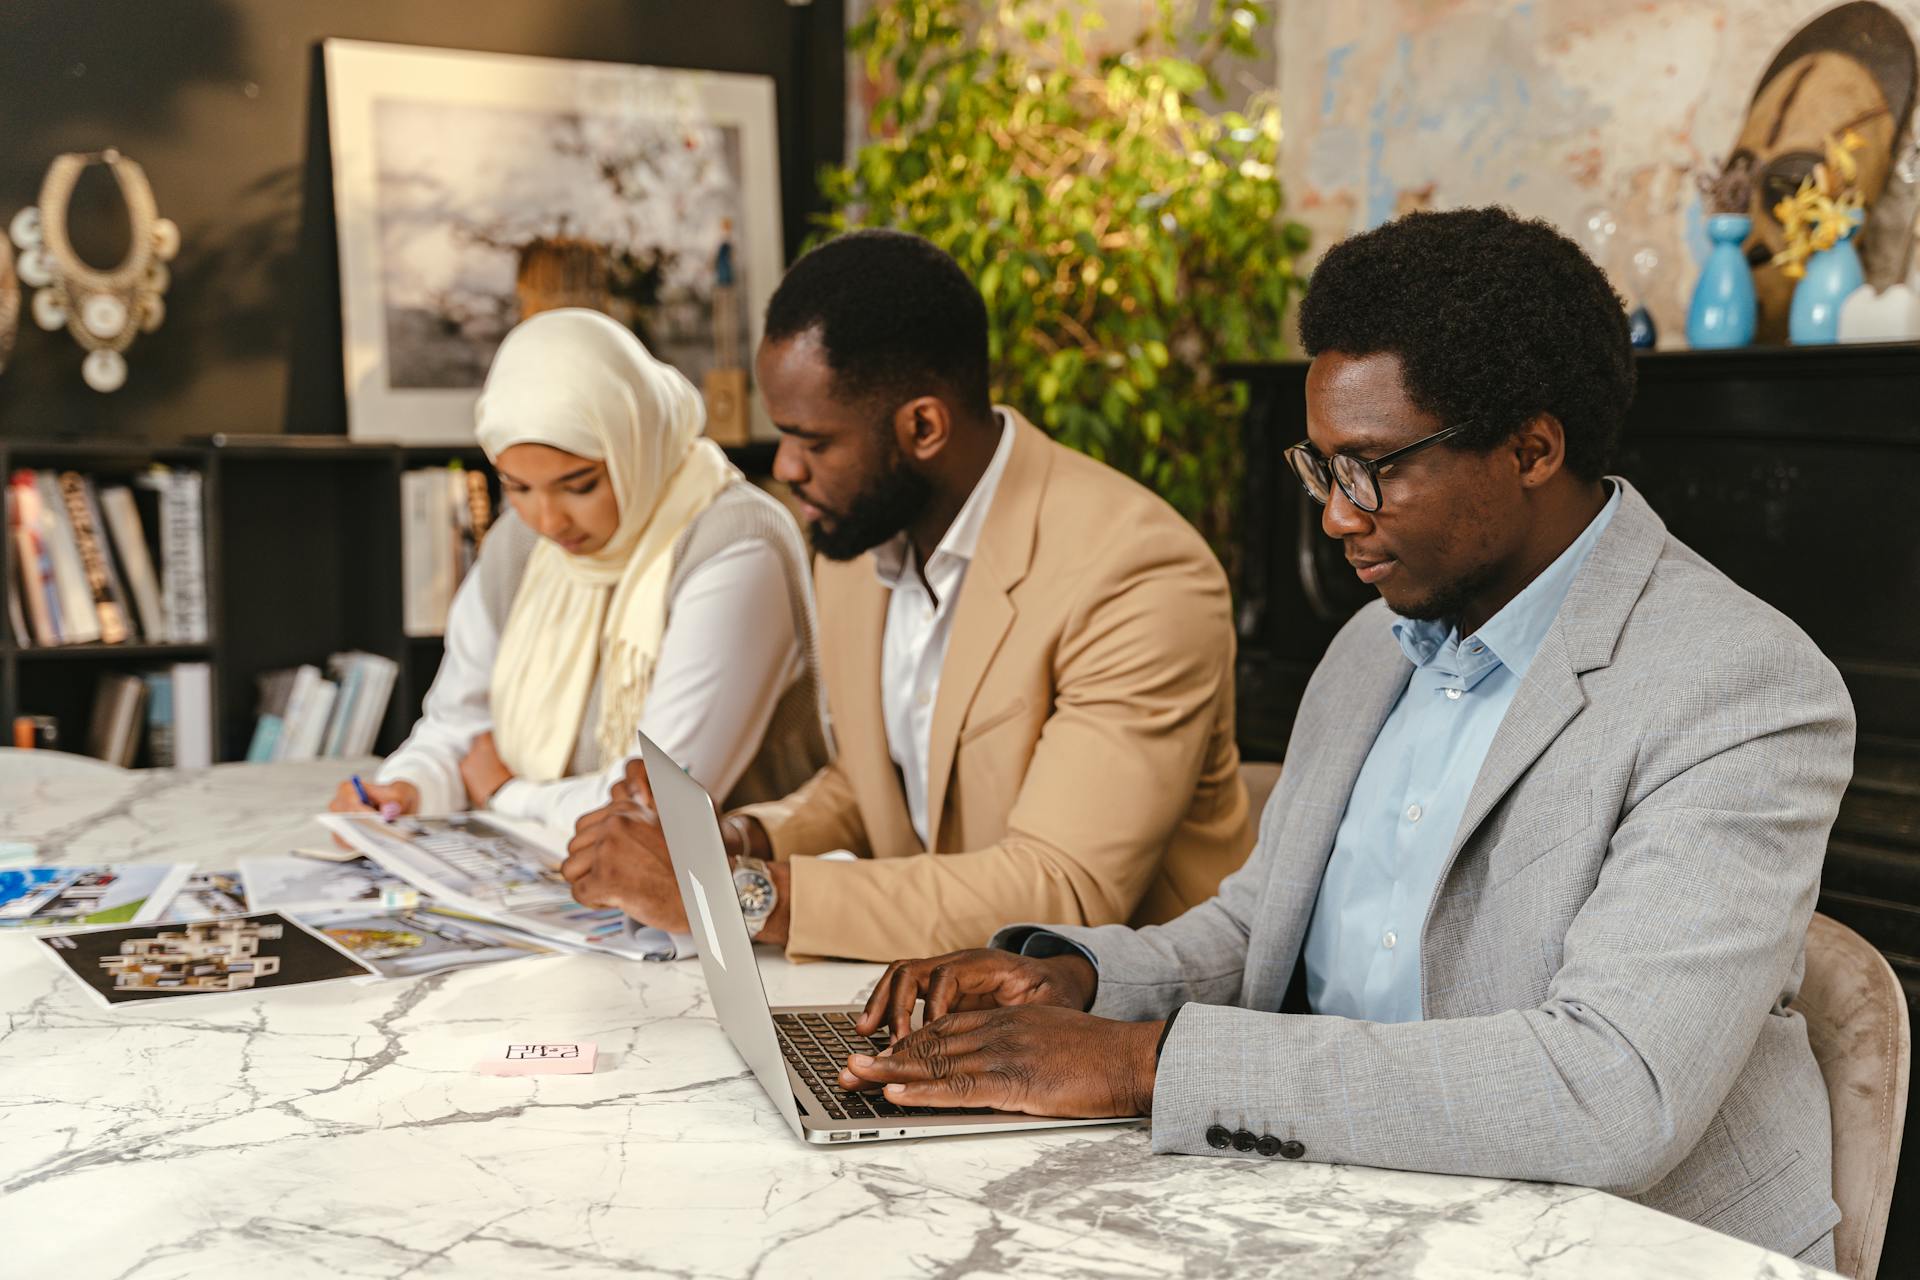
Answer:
[(1607, 959)]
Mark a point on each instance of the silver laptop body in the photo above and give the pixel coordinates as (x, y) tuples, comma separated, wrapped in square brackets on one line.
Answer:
[(795, 1050)]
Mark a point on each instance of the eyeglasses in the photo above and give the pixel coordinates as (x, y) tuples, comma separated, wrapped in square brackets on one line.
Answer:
[(1358, 478)]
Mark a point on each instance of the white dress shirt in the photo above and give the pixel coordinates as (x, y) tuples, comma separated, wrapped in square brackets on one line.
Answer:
[(730, 651), (919, 625)]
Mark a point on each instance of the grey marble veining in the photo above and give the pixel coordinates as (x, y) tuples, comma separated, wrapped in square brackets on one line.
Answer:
[(339, 1131)]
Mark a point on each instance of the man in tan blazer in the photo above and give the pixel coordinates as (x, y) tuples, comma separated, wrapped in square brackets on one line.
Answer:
[(1028, 656)]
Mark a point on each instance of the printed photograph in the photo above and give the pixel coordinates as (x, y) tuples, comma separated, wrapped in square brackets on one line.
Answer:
[(207, 957), (70, 897), (291, 883), (405, 944), (473, 191), (490, 215), (207, 895)]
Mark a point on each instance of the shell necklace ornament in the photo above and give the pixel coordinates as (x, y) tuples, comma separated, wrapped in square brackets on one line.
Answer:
[(9, 302), (103, 310)]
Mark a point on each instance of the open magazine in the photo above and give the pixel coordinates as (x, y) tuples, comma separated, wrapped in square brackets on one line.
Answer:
[(488, 867)]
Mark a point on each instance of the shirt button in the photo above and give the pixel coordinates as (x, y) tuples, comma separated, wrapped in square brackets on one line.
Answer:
[(923, 699), (1389, 939), (1453, 695), (1413, 813)]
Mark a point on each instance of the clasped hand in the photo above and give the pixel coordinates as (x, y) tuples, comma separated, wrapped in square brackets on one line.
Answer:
[(618, 857), (1004, 1031)]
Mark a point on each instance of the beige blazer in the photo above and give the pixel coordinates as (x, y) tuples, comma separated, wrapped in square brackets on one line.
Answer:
[(1082, 759)]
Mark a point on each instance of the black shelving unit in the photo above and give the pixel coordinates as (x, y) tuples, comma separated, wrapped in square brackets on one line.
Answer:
[(303, 544), (60, 681)]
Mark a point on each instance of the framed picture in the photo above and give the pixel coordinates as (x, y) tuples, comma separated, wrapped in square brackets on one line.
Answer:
[(473, 190)]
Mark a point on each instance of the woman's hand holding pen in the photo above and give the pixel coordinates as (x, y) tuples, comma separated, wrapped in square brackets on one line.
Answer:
[(388, 799)]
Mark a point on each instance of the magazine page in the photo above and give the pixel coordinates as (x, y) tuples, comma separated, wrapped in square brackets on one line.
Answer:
[(205, 895), (75, 897), (486, 866), (290, 882), (426, 939)]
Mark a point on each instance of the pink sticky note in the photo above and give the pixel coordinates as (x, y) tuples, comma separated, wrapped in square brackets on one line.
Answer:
[(541, 1058)]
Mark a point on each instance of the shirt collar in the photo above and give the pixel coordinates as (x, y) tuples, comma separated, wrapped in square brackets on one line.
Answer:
[(892, 558), (1514, 635)]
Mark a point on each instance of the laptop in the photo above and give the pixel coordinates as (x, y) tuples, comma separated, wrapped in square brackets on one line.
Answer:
[(796, 1051)]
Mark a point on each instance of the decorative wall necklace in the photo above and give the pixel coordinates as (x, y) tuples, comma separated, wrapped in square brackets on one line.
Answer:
[(103, 310), (9, 302)]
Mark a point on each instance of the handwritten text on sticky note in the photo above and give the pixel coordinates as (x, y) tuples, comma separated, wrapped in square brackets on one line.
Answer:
[(540, 1059)]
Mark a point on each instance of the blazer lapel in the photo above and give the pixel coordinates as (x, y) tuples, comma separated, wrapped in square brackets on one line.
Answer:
[(985, 610), (1329, 744), (1545, 703), (1582, 639), (858, 621)]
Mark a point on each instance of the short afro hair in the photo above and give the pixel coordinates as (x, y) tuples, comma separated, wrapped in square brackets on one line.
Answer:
[(1496, 320), (896, 317)]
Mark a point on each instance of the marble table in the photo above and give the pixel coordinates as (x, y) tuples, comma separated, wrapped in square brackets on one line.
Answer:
[(337, 1130)]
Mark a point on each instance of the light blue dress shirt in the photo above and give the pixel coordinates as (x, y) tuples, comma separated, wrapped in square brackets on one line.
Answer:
[(1363, 943)]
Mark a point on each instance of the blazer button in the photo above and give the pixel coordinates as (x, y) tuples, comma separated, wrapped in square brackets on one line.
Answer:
[(1218, 1137), (1242, 1140), (1268, 1146), (1293, 1148)]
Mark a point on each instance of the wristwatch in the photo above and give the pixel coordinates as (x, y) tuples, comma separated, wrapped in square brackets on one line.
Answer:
[(754, 883)]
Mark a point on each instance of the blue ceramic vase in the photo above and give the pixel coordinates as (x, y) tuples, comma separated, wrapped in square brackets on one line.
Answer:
[(1724, 313), (1832, 274), (1641, 330)]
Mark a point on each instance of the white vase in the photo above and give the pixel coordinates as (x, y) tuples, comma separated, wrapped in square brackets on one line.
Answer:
[(1891, 315)]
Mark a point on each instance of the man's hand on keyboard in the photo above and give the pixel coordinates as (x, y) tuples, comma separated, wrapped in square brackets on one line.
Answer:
[(978, 979), (1040, 1059)]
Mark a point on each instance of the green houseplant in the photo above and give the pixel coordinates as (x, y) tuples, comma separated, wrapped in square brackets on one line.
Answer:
[(1126, 239)]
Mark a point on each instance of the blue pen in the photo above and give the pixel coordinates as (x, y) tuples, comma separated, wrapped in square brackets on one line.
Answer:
[(388, 811)]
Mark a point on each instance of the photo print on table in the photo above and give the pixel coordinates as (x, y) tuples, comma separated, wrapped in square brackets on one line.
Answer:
[(406, 944), (73, 897), (206, 957), (206, 895)]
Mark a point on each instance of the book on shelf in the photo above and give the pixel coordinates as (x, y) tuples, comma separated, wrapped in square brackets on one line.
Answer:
[(445, 512), (31, 561), (114, 732), (103, 583), (159, 718), (192, 690), (304, 715), (135, 559), (83, 564), (170, 709), (78, 622), (183, 559)]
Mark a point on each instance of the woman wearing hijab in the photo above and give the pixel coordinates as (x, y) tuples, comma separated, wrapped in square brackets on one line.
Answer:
[(640, 582)]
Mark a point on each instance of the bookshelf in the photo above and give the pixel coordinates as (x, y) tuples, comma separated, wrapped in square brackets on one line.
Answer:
[(303, 559)]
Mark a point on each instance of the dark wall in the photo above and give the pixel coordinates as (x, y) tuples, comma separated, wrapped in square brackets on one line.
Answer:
[(214, 98)]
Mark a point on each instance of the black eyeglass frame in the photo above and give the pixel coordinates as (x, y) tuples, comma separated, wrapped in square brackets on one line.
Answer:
[(1369, 465)]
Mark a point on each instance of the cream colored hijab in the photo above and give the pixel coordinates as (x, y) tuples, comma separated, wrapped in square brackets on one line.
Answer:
[(579, 381)]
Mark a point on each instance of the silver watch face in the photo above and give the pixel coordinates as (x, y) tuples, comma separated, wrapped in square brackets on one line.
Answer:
[(756, 892)]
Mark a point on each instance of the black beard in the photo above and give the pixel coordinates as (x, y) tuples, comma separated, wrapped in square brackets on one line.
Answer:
[(1449, 600), (885, 508)]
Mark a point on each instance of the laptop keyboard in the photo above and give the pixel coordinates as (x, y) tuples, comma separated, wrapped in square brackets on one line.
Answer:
[(817, 1045)]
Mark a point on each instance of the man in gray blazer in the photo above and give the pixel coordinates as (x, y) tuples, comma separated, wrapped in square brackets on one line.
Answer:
[(1530, 899)]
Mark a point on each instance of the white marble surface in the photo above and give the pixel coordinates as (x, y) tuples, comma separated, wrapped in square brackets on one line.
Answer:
[(337, 1131)]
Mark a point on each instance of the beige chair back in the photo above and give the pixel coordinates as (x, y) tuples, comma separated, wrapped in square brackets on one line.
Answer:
[(1857, 1021), (1260, 777)]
